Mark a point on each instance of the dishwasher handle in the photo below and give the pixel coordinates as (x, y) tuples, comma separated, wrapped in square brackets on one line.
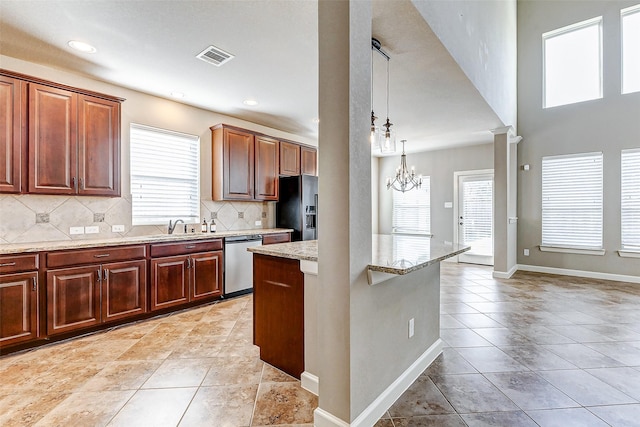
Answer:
[(242, 239)]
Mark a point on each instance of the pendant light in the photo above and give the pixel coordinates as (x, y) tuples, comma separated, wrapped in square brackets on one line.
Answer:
[(388, 142), (405, 179), (375, 130), (383, 137)]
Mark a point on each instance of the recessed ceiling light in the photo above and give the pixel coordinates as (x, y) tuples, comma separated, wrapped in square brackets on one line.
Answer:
[(82, 46), (177, 94), (250, 102)]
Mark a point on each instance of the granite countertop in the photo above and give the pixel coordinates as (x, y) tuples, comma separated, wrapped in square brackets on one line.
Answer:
[(13, 248), (306, 250), (393, 254)]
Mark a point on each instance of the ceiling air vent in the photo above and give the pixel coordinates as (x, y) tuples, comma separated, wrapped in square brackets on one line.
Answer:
[(215, 56)]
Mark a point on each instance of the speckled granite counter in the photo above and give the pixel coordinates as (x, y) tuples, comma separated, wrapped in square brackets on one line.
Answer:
[(13, 248), (391, 254), (306, 250)]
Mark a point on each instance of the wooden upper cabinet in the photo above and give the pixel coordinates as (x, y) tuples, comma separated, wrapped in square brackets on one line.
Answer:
[(289, 158), (233, 157), (308, 161), (52, 140), (12, 134), (267, 166), (98, 146)]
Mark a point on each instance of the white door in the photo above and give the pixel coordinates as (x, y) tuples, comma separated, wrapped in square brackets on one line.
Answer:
[(474, 216)]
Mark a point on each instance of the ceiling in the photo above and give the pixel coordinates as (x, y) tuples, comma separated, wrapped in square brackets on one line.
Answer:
[(151, 46)]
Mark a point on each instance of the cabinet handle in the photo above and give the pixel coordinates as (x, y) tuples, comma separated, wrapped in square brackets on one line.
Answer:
[(73, 182), (105, 274), (35, 283), (188, 262), (98, 273), (8, 264), (81, 184), (101, 255), (190, 247)]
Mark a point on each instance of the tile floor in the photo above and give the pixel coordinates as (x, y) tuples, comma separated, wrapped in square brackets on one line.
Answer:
[(532, 350), (193, 368)]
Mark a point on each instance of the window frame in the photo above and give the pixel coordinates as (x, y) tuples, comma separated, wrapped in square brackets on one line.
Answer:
[(554, 246), (563, 31), (624, 13), (632, 180), (191, 181), (426, 182)]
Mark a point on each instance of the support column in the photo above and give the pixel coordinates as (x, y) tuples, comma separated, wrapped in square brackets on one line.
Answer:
[(344, 244), (505, 220)]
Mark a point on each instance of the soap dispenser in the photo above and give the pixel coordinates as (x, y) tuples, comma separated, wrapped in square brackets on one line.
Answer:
[(203, 227), (212, 226)]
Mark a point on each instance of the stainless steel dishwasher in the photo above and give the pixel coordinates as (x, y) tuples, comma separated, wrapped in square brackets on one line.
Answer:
[(238, 264)]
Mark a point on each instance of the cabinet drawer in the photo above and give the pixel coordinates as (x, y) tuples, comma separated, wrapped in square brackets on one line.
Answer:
[(95, 255), (17, 263), (269, 239), (169, 249)]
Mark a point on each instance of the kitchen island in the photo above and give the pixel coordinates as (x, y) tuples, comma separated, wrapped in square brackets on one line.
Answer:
[(286, 289)]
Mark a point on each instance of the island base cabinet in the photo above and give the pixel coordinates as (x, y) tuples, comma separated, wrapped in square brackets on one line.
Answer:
[(124, 290), (18, 308), (73, 299), (278, 310)]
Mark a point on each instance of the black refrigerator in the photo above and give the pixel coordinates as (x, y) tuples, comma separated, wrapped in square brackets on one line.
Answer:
[(297, 206)]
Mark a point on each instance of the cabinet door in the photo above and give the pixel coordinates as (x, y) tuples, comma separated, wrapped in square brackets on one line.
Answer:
[(11, 134), (267, 167), (206, 275), (124, 289), (73, 299), (289, 158), (238, 165), (98, 146), (52, 140), (169, 282), (308, 161), (18, 308)]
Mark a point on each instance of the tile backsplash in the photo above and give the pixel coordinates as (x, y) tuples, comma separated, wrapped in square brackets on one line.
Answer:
[(39, 218)]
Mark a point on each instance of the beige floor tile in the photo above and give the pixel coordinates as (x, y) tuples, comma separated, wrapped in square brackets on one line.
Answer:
[(87, 409)]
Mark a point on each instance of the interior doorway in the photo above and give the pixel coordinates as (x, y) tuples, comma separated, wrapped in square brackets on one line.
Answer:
[(473, 210)]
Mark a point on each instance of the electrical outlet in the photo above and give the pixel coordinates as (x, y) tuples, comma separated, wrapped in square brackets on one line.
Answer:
[(526, 252), (92, 229), (117, 228), (258, 222), (76, 230), (411, 327)]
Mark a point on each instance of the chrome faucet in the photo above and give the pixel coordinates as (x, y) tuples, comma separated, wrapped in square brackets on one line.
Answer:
[(172, 226)]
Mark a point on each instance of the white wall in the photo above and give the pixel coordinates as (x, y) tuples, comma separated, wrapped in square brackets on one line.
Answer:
[(440, 166), (609, 125), (481, 37)]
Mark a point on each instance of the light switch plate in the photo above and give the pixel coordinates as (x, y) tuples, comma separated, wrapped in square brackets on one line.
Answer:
[(526, 252), (92, 229), (76, 230), (117, 228), (448, 205)]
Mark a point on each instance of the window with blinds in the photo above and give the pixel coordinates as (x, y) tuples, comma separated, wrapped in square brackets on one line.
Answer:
[(630, 203), (630, 18), (165, 171), (572, 201), (412, 210)]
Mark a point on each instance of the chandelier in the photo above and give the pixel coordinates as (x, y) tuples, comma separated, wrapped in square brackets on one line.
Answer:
[(386, 140), (405, 179)]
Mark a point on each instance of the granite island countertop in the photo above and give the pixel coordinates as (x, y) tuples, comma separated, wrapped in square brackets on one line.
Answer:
[(30, 247), (391, 253)]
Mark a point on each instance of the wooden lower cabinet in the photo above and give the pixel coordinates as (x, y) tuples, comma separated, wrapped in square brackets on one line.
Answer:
[(82, 297), (181, 279), (18, 308), (124, 290), (73, 299)]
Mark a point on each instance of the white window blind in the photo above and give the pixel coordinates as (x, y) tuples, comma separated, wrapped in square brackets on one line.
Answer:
[(477, 213), (630, 49), (572, 201), (165, 171), (630, 203), (573, 63), (412, 210)]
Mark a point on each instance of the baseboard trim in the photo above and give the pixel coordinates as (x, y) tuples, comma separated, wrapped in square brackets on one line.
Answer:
[(507, 274), (309, 382), (322, 418), (580, 273)]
